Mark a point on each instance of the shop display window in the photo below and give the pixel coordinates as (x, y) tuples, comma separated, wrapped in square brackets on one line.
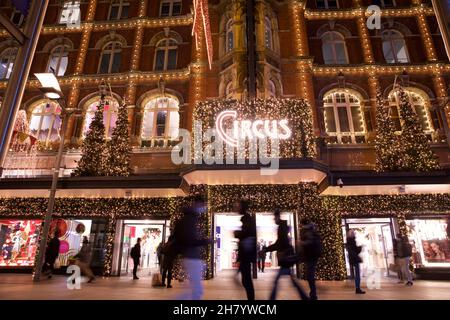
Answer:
[(18, 242), (431, 244)]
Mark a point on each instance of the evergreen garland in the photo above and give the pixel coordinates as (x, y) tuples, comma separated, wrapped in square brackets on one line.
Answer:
[(92, 161), (118, 148)]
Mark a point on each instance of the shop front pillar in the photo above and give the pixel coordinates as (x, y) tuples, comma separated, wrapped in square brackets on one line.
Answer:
[(331, 265), (109, 247)]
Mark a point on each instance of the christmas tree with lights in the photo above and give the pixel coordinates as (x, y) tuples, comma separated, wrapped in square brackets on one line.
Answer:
[(387, 146), (118, 148), (416, 152), (92, 162)]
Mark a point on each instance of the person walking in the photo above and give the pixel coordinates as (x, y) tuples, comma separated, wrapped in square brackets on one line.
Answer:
[(246, 247), (397, 260), (136, 256), (168, 257), (159, 254), (286, 256), (51, 254), (187, 241), (262, 257), (311, 247), (404, 251), (354, 259), (84, 259)]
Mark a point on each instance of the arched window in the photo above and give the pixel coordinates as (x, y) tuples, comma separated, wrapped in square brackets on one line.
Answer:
[(59, 58), (7, 59), (45, 122), (327, 4), (229, 90), (166, 55), (111, 57), (344, 117), (229, 36), (119, 10), (419, 101), (109, 114), (333, 48), (394, 47), (170, 8), (161, 120), (272, 90), (268, 33)]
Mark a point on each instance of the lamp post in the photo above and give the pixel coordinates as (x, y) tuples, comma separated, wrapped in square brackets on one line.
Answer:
[(51, 89)]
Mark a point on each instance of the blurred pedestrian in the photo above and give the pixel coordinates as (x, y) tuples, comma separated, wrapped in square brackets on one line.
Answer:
[(262, 257), (159, 255), (397, 260), (135, 254), (354, 259), (188, 242), (286, 256), (311, 251), (404, 250), (168, 258), (51, 254), (84, 259), (246, 247)]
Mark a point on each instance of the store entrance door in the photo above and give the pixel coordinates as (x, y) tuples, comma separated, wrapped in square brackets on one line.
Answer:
[(152, 233), (376, 237), (226, 244)]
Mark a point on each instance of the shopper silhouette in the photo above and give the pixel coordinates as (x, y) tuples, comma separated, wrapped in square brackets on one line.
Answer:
[(354, 259), (262, 256), (168, 257), (188, 242), (246, 247), (84, 259), (286, 257), (136, 256), (311, 248), (51, 254), (404, 252)]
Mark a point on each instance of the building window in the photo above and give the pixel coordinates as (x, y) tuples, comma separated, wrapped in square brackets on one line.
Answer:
[(344, 117), (170, 8), (17, 17), (327, 4), (7, 59), (272, 91), (166, 55), (419, 102), (268, 34), (387, 3), (161, 120), (119, 10), (229, 36), (111, 58), (394, 47), (59, 58), (333, 48), (45, 122), (109, 115), (70, 12)]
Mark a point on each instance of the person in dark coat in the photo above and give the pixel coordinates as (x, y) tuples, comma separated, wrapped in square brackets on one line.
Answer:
[(188, 243), (397, 259), (84, 259), (246, 247), (51, 254), (311, 250), (168, 258), (286, 256), (354, 259), (136, 256), (262, 257)]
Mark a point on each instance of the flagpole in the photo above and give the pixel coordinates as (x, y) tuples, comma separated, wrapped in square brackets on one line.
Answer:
[(19, 76)]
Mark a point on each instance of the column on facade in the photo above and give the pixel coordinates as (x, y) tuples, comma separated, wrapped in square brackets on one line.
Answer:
[(374, 86), (425, 34), (442, 107), (238, 13), (364, 37)]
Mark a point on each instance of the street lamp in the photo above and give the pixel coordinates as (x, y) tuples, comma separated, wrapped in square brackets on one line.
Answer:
[(51, 89)]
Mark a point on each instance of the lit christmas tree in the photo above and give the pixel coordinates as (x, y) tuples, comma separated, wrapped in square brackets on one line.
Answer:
[(92, 162), (416, 152), (387, 146), (118, 148)]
